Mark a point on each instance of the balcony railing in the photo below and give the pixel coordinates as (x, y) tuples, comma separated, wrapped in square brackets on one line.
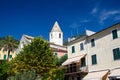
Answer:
[(84, 68), (78, 68)]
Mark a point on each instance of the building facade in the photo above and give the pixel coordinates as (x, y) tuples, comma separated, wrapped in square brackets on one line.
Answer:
[(56, 41), (97, 54), (4, 54)]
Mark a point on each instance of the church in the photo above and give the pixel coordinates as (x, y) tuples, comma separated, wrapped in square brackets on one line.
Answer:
[(55, 40)]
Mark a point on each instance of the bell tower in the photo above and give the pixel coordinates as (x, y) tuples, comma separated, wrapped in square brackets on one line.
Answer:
[(56, 35)]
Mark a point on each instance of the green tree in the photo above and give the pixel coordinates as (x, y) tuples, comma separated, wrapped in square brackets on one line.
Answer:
[(60, 60), (8, 43), (55, 74), (36, 56), (3, 69)]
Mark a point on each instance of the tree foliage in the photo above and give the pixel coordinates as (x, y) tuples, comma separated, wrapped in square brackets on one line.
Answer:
[(60, 60), (36, 56), (3, 69), (8, 43), (55, 74)]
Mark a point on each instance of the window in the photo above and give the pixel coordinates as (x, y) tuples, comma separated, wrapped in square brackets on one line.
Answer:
[(70, 68), (10, 56), (114, 34), (92, 42), (73, 49), (94, 59), (51, 36), (4, 57), (81, 46), (55, 53), (74, 67), (59, 35), (116, 53), (83, 62)]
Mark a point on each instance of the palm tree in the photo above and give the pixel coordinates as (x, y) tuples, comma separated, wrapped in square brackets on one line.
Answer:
[(9, 44)]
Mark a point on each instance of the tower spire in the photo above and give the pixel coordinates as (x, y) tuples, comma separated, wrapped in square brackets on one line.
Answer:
[(56, 28), (56, 34)]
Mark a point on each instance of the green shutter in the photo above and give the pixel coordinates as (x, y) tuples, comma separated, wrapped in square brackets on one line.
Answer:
[(83, 62), (92, 42), (94, 59), (114, 33), (81, 46), (4, 57), (10, 56), (55, 53), (73, 49), (116, 53)]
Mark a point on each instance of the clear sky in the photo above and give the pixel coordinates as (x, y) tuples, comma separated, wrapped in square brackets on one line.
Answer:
[(37, 17)]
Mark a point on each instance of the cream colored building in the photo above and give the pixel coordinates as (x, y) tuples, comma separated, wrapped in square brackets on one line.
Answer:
[(4, 54), (98, 52)]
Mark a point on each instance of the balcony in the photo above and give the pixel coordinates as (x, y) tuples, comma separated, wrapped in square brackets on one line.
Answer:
[(73, 68), (84, 69)]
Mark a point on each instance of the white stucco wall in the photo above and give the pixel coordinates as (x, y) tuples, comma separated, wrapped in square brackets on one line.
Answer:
[(54, 38), (104, 45)]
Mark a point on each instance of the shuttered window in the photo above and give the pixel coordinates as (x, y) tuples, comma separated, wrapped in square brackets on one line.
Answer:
[(116, 53), (114, 34), (73, 49), (94, 59)]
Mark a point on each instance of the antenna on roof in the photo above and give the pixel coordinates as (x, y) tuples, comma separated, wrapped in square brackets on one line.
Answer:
[(71, 33), (77, 31)]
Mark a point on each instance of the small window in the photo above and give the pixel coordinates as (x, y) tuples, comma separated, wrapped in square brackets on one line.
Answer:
[(92, 42), (74, 67), (116, 53), (10, 56), (55, 54), (114, 34), (94, 59), (59, 35), (83, 62), (4, 57), (81, 46), (71, 68), (51, 36), (73, 49)]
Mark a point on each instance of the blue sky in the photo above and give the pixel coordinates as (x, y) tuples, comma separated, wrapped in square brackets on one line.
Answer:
[(37, 17)]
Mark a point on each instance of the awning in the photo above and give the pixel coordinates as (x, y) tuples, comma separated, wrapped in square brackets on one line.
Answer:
[(73, 60), (115, 73), (98, 75)]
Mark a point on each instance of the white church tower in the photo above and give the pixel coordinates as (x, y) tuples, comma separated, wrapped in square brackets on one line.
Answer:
[(56, 35)]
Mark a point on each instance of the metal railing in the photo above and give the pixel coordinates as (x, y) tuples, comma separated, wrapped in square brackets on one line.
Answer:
[(78, 68)]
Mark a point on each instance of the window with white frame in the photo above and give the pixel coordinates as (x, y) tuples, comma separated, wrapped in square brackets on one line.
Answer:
[(81, 46), (92, 42), (116, 53), (73, 49), (114, 34)]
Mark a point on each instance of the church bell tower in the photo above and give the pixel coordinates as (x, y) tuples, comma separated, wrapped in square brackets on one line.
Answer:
[(56, 35)]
